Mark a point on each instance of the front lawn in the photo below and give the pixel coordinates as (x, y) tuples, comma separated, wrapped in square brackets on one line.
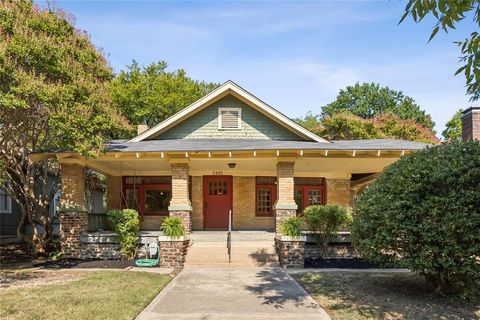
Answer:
[(361, 296), (77, 295)]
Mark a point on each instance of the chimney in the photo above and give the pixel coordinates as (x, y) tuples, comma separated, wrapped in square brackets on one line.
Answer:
[(471, 124), (141, 128)]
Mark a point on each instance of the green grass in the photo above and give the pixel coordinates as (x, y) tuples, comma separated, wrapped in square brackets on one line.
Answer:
[(90, 295), (362, 296)]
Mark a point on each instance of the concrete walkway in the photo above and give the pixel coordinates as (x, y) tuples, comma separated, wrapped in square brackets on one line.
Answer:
[(247, 293)]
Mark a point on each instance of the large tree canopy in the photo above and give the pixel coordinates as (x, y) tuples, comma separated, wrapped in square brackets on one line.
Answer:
[(453, 128), (448, 13), (151, 94), (368, 100), (347, 126), (53, 95)]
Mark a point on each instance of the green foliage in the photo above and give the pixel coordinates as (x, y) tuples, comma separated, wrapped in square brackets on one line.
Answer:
[(447, 14), (126, 224), (292, 227), (453, 128), (368, 100), (53, 96), (325, 222), (173, 227), (424, 213), (346, 126), (151, 94)]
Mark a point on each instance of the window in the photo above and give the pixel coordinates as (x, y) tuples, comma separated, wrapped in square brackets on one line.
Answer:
[(5, 202), (147, 195), (309, 191), (230, 118), (157, 200), (265, 195), (217, 188)]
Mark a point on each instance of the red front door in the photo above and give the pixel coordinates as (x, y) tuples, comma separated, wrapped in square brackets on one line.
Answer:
[(217, 201)]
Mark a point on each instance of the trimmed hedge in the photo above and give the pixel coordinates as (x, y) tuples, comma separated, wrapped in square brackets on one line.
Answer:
[(423, 212)]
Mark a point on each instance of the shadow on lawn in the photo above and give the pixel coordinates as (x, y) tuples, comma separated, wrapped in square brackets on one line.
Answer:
[(386, 296), (277, 288)]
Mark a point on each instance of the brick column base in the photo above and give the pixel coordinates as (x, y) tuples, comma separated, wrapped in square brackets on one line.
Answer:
[(72, 225), (185, 215), (172, 253), (291, 253), (281, 215)]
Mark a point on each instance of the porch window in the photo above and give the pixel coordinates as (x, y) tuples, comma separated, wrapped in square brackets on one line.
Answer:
[(265, 195), (309, 191), (148, 195), (5, 201)]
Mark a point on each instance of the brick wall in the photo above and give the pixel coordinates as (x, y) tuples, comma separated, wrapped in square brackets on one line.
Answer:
[(72, 225), (113, 192), (197, 203), (73, 186), (338, 192), (291, 254), (471, 124), (244, 206), (285, 182), (180, 184), (73, 217), (172, 253)]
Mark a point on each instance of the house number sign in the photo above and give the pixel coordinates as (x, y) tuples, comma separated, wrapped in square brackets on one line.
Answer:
[(218, 173)]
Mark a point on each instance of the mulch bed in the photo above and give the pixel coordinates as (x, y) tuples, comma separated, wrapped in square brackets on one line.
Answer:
[(14, 253), (354, 263), (72, 263)]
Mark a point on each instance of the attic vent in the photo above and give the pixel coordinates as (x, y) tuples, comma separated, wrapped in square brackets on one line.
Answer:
[(229, 118)]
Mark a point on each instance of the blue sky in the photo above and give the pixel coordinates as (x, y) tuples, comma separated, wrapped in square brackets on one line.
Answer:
[(296, 56)]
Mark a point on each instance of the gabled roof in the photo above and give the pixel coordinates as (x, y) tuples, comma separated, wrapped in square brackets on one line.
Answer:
[(229, 87)]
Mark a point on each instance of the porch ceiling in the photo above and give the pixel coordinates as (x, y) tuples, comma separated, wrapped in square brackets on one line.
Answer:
[(332, 164)]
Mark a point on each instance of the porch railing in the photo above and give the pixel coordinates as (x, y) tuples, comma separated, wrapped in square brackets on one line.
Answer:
[(229, 236)]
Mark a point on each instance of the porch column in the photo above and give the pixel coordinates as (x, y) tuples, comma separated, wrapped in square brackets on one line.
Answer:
[(285, 206), (180, 205), (73, 214)]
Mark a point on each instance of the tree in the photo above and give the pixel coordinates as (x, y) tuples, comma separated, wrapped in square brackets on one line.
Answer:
[(368, 100), (150, 94), (453, 128), (53, 96), (422, 213), (449, 13), (346, 126)]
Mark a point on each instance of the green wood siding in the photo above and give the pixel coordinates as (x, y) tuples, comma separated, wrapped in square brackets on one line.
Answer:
[(204, 125)]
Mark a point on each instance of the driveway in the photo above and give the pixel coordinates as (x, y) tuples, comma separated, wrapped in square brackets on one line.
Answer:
[(247, 293)]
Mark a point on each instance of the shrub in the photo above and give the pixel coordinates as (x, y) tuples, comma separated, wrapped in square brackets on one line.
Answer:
[(292, 227), (125, 223), (424, 213), (173, 227), (325, 221)]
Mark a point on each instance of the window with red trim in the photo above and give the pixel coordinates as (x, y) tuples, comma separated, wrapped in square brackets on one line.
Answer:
[(265, 195), (309, 191), (147, 195)]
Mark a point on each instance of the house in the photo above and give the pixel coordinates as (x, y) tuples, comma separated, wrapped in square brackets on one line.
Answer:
[(228, 151)]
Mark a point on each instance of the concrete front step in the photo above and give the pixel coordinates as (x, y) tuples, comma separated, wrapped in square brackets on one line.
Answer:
[(244, 254)]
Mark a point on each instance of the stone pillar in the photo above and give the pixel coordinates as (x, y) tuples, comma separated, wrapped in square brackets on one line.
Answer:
[(291, 251), (471, 124), (338, 192), (73, 215), (113, 192), (180, 205), (285, 206)]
